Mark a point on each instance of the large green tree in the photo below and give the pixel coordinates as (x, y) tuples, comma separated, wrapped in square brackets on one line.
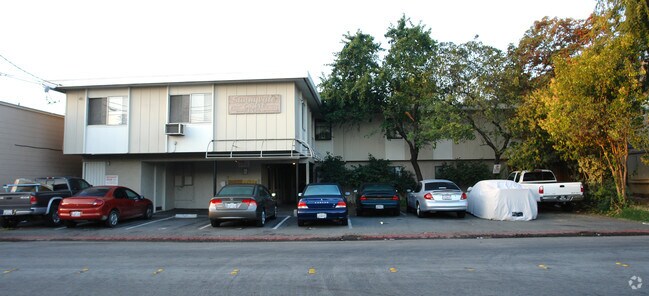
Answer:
[(483, 84), (596, 101), (415, 105)]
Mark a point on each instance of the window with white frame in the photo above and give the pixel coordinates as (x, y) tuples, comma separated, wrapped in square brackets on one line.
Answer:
[(193, 108), (107, 111), (304, 116)]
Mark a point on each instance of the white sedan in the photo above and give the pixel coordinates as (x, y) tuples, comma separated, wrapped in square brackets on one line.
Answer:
[(437, 196)]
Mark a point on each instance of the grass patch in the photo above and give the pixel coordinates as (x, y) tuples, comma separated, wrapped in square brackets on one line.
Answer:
[(635, 213)]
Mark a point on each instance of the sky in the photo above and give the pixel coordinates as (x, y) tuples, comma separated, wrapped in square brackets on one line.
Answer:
[(62, 40)]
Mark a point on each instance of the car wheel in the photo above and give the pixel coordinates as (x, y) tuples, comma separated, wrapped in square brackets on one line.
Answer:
[(461, 214), (215, 223), (70, 224), (262, 220), (300, 222), (418, 211), (113, 219), (8, 223), (344, 222), (53, 218), (148, 213)]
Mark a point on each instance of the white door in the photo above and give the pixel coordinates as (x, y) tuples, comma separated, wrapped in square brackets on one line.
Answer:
[(95, 172)]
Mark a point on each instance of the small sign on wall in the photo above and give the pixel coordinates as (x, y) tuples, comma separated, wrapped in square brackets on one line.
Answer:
[(111, 180), (496, 169)]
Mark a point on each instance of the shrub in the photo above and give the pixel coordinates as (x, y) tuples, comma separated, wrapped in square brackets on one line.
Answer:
[(465, 173)]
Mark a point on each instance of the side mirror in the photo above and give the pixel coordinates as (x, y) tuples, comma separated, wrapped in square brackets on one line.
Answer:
[(347, 194), (469, 189), (299, 194), (355, 191)]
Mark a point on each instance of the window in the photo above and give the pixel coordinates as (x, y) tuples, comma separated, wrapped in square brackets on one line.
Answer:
[(107, 111), (194, 108), (322, 130), (132, 195), (441, 186), (304, 116), (392, 134)]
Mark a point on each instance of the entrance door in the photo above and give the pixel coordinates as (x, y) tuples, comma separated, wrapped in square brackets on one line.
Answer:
[(281, 180)]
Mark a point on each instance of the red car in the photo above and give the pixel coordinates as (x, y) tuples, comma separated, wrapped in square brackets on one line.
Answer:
[(109, 204)]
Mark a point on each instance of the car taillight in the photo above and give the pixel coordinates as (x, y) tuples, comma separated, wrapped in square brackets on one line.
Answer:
[(428, 196), (341, 204), (541, 190), (32, 200), (463, 196), (249, 202), (98, 202), (216, 201), (302, 205), (396, 197), (582, 187), (363, 197)]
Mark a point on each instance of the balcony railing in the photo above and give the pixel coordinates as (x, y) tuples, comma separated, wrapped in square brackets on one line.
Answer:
[(260, 148)]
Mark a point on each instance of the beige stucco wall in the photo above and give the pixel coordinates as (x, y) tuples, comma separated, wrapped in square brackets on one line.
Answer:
[(32, 143)]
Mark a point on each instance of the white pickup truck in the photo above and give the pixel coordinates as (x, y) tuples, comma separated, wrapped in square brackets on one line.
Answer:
[(545, 187)]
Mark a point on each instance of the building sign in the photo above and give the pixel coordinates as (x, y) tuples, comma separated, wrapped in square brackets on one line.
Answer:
[(112, 180), (496, 169), (254, 104)]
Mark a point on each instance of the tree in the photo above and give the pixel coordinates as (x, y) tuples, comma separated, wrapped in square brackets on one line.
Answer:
[(351, 92), (546, 41), (414, 105), (484, 87), (596, 101)]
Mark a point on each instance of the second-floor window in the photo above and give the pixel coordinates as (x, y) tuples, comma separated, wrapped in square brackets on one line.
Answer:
[(107, 111), (194, 108)]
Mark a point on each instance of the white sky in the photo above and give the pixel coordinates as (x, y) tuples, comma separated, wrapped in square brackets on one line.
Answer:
[(63, 39)]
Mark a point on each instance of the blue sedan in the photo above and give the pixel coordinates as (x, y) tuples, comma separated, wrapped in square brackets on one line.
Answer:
[(322, 202)]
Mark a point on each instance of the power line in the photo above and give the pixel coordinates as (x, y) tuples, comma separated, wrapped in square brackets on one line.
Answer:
[(41, 80)]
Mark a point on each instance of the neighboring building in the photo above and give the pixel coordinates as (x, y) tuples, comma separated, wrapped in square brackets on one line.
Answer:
[(31, 145), (178, 140)]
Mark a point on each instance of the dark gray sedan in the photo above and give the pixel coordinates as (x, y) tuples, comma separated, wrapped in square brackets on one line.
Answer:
[(245, 202)]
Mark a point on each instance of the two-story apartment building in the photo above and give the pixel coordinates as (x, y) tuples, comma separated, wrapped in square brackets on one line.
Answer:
[(178, 140)]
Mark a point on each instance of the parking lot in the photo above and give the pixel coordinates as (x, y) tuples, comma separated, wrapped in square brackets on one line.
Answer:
[(193, 225)]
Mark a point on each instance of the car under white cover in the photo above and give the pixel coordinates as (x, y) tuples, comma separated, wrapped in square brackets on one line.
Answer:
[(501, 200)]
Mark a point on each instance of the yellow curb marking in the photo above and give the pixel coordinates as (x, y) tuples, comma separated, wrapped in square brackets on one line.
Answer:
[(543, 266), (311, 270), (158, 271), (621, 264), (85, 269), (234, 272), (393, 270), (470, 269), (10, 270)]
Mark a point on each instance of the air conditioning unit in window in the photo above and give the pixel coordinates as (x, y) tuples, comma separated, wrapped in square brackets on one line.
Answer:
[(175, 129)]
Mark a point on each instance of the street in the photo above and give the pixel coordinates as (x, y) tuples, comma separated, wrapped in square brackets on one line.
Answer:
[(522, 266)]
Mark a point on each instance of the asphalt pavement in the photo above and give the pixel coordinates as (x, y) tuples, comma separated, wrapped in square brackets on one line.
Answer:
[(193, 225)]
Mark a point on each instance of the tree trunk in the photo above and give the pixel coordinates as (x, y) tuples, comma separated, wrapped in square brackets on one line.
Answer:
[(497, 156), (414, 157)]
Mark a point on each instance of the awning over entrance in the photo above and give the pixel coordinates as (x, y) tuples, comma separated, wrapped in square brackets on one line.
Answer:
[(260, 148)]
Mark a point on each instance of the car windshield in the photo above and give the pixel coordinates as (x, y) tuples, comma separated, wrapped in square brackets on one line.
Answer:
[(441, 186), (378, 187), (93, 192), (237, 190), (322, 190)]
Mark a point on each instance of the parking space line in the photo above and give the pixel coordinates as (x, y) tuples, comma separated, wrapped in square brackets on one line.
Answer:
[(205, 226), (280, 223), (136, 226), (349, 223)]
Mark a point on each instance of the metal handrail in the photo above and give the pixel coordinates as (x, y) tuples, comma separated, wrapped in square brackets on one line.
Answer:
[(298, 148)]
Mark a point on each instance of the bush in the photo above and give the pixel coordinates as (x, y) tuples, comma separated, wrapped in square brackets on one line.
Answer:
[(598, 196), (333, 169), (465, 174)]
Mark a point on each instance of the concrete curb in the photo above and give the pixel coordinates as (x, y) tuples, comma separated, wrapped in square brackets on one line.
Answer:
[(345, 237)]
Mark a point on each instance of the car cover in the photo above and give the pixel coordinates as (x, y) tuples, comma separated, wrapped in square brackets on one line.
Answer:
[(501, 200)]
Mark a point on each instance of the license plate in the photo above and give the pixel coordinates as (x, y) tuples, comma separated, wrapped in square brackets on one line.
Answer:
[(75, 214), (321, 215), (446, 197), (231, 205), (379, 207), (7, 212)]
